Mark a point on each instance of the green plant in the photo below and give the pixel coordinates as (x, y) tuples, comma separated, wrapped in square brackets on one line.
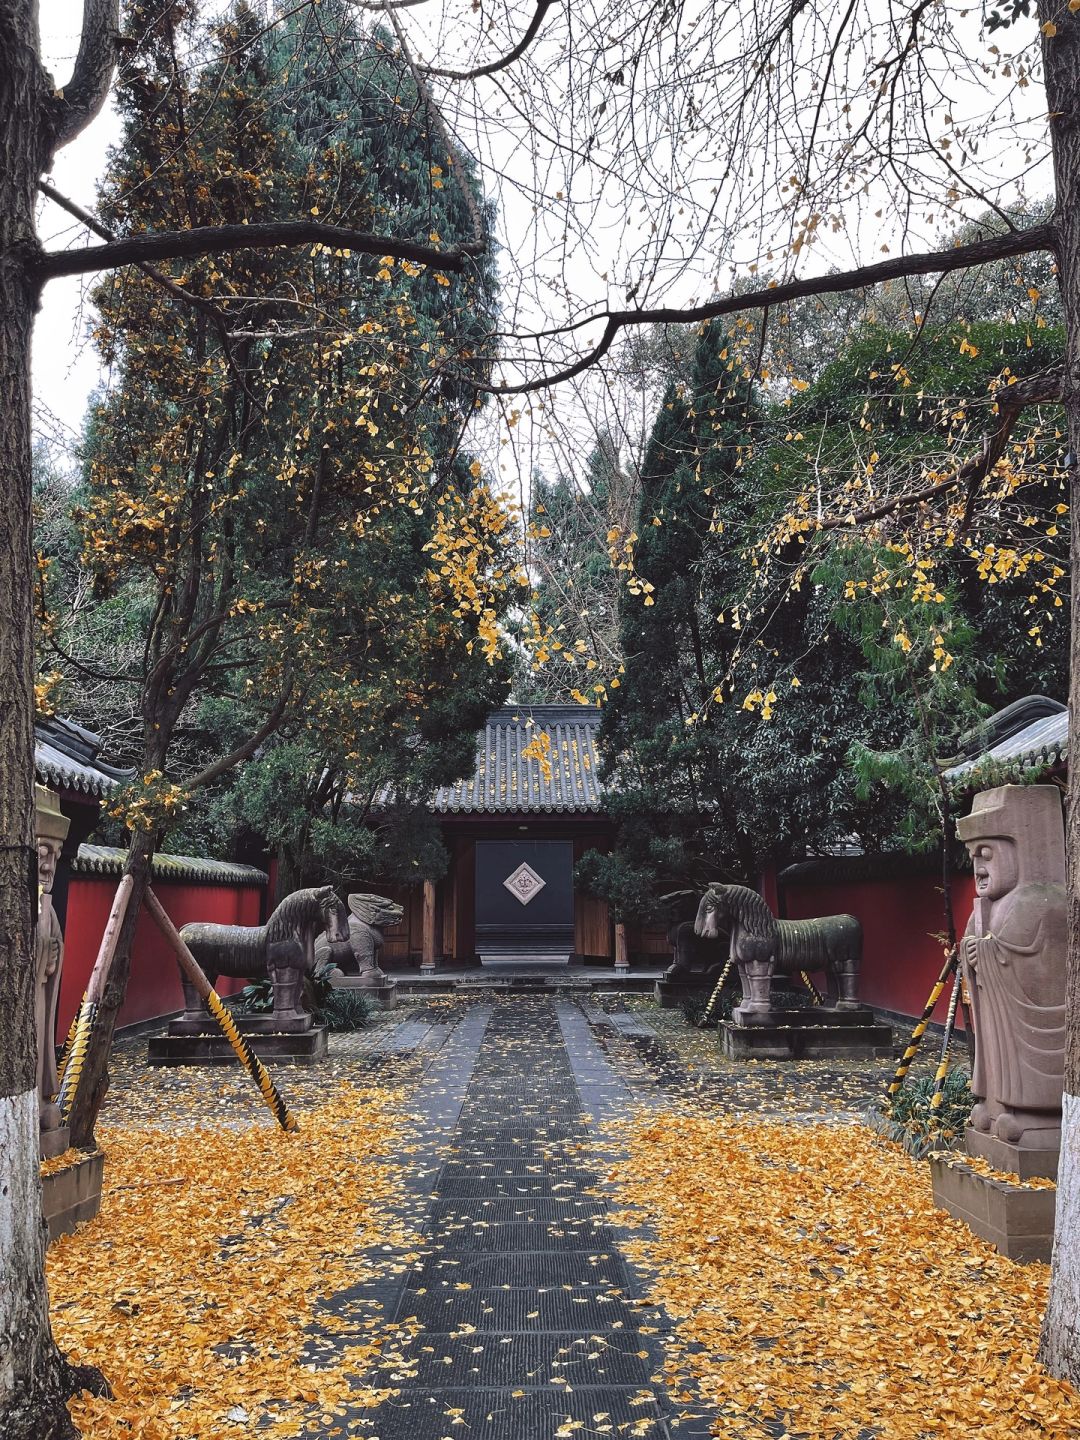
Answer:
[(344, 1010), (911, 1122), (256, 998)]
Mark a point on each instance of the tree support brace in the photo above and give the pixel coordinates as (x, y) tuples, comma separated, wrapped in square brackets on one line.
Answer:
[(192, 969), (951, 961), (714, 998)]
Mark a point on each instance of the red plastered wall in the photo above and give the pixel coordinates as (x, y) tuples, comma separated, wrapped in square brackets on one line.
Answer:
[(900, 919), (154, 986)]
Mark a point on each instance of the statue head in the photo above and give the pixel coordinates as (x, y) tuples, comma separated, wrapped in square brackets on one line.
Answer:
[(996, 869), (335, 918), (711, 911), (1015, 836), (376, 910), (51, 828)]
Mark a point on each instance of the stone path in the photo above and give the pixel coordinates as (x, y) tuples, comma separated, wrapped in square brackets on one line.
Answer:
[(523, 1320)]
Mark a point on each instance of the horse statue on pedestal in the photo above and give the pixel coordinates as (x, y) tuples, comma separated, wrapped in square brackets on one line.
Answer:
[(283, 948), (762, 946)]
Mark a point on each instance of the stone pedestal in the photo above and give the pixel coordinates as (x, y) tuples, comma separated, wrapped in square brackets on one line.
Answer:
[(671, 994), (246, 1024), (1017, 1220), (1023, 1160), (72, 1194), (383, 993), (814, 1033), (305, 1047), (54, 1142)]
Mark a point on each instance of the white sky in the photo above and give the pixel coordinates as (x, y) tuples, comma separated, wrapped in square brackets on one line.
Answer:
[(555, 262)]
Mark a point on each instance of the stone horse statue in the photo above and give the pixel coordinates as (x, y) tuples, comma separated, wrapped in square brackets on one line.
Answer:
[(283, 948), (359, 956), (762, 946)]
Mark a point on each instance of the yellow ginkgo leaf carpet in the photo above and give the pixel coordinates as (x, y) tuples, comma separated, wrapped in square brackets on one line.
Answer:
[(196, 1289), (816, 1291)]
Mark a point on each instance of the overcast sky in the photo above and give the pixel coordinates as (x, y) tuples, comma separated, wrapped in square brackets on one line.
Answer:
[(575, 236)]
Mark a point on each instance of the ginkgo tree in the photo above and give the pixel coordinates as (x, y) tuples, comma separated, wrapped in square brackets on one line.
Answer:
[(662, 166), (249, 551)]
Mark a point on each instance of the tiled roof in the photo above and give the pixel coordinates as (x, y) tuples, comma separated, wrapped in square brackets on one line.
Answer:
[(507, 782), (1042, 741), (66, 757), (109, 860)]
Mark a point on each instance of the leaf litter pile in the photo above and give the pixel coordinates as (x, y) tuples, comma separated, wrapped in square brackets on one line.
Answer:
[(817, 1294), (197, 1289)]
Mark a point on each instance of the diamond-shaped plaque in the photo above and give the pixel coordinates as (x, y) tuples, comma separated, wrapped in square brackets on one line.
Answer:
[(525, 884)]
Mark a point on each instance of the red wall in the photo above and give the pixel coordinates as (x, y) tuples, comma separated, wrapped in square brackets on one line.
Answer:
[(900, 918), (154, 986)]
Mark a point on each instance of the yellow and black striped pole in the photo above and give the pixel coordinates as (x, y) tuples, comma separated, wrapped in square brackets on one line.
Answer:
[(714, 998), (250, 1061), (815, 993), (66, 1051), (920, 1029), (244, 1053), (79, 1043), (943, 1064)]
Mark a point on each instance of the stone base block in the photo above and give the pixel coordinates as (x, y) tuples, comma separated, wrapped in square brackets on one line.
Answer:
[(837, 1041), (1024, 1161), (806, 1015), (306, 1048), (246, 1024), (383, 994), (54, 1142), (72, 1194), (1018, 1222), (671, 995)]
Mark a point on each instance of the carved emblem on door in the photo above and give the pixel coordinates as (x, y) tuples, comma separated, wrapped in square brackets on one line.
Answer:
[(525, 884)]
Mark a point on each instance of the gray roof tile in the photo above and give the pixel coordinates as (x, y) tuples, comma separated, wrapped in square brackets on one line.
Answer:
[(506, 781), (109, 860)]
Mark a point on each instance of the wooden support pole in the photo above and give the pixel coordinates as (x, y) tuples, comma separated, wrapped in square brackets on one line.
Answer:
[(427, 953), (107, 949), (194, 972), (82, 1029), (622, 959)]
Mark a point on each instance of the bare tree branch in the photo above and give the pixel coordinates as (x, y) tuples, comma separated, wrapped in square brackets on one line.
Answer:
[(219, 239), (245, 751), (207, 307), (960, 257), (1012, 400), (508, 59), (73, 107)]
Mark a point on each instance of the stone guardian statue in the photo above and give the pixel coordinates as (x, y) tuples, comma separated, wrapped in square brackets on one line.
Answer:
[(52, 828), (1013, 957)]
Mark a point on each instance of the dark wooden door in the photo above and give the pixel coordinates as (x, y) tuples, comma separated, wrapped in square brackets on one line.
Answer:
[(525, 899)]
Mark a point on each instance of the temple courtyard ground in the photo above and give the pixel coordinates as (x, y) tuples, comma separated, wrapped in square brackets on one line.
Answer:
[(508, 1217)]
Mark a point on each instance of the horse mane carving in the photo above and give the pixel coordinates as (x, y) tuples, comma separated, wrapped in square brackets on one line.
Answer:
[(283, 948), (763, 946)]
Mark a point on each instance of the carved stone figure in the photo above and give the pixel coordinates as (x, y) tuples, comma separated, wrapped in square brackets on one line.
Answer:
[(283, 948), (1013, 955), (369, 915), (762, 946), (52, 828), (697, 959)]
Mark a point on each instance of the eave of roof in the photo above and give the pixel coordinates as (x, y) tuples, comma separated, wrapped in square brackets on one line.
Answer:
[(109, 860), (1045, 742)]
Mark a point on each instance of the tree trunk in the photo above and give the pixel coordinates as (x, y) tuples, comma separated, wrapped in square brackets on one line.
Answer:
[(1061, 1326), (33, 1377)]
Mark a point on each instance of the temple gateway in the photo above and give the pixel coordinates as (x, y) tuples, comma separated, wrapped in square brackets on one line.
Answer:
[(514, 831)]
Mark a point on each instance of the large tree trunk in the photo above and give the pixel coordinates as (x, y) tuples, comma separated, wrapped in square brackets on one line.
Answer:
[(1061, 1327), (33, 1377)]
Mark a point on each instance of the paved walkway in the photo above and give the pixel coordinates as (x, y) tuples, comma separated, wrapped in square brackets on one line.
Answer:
[(523, 1320)]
